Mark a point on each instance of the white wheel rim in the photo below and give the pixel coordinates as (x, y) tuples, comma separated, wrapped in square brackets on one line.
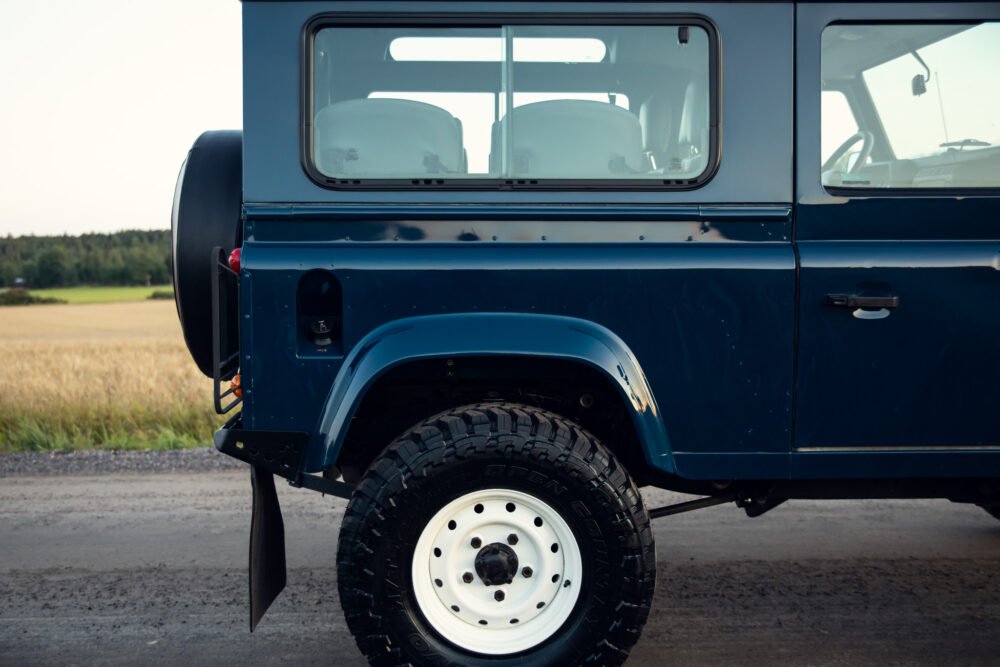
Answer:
[(533, 606)]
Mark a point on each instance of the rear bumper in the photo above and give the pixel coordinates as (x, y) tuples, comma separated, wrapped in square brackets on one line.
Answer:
[(278, 452)]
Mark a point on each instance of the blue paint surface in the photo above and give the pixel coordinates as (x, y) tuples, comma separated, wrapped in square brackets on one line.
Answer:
[(706, 308)]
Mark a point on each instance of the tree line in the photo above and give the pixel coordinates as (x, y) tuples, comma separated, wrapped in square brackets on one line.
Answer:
[(122, 258)]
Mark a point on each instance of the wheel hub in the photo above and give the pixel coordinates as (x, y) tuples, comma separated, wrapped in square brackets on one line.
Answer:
[(496, 564), (496, 571)]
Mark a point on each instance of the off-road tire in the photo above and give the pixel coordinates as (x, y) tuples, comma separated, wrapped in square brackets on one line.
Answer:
[(511, 446)]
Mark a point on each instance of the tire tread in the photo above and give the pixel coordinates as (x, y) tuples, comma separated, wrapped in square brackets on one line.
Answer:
[(513, 431)]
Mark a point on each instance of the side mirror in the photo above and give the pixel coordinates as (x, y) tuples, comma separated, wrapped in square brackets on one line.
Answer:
[(919, 85)]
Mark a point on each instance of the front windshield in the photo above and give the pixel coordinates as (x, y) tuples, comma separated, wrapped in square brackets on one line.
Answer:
[(921, 103), (962, 98)]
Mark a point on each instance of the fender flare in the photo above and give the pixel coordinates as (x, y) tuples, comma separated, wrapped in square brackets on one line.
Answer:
[(487, 334)]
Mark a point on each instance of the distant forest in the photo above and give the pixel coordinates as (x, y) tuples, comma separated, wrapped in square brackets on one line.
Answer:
[(122, 258)]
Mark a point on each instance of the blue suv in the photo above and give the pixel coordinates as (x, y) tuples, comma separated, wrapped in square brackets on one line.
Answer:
[(486, 269)]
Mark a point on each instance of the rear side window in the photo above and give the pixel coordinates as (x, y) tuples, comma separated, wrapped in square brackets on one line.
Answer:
[(530, 105), (923, 101)]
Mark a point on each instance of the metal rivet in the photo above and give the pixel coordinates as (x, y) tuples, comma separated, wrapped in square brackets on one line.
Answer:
[(467, 577), (512, 539), (527, 572), (499, 596)]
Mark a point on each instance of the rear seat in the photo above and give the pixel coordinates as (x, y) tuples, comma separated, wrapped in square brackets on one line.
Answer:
[(570, 139), (693, 138), (387, 138)]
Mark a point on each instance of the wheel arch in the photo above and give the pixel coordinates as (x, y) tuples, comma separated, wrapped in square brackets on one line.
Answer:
[(486, 346)]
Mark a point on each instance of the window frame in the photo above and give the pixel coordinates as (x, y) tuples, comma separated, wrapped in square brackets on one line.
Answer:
[(894, 191), (496, 20)]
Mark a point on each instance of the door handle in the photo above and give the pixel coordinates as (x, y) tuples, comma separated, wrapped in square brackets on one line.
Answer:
[(864, 307), (858, 301)]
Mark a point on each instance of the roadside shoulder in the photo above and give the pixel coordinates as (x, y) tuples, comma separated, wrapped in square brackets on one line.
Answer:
[(115, 462)]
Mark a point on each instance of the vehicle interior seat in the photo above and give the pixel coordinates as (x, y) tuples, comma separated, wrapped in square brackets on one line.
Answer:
[(570, 139), (692, 140), (387, 138), (656, 115)]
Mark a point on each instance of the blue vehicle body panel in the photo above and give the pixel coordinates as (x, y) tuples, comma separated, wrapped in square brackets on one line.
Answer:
[(701, 289), (696, 337), (913, 394), (757, 112), (711, 301), (896, 377)]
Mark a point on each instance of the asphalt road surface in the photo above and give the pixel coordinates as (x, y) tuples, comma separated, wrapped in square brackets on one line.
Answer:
[(139, 569)]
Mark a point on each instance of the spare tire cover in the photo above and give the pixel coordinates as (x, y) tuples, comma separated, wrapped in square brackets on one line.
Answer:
[(207, 212)]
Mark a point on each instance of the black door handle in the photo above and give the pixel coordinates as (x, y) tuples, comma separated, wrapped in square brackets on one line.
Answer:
[(858, 301)]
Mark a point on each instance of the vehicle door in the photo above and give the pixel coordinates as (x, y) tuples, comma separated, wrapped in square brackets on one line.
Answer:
[(898, 234)]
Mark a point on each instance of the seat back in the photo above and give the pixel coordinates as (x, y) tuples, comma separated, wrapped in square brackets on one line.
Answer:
[(387, 138), (569, 139), (656, 115), (693, 137)]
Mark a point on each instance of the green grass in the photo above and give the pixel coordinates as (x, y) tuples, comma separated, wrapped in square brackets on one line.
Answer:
[(118, 377), (26, 435), (100, 294)]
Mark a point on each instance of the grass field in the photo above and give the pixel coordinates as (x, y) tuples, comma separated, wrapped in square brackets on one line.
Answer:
[(101, 294), (112, 375)]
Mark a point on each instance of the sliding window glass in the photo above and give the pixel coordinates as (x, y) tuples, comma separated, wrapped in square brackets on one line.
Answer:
[(529, 104)]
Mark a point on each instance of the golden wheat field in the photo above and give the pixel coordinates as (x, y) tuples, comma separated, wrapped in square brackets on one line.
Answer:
[(114, 375)]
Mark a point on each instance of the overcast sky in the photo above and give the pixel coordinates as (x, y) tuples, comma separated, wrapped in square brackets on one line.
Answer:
[(100, 102)]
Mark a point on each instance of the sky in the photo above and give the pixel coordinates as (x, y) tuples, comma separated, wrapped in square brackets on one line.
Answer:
[(101, 101), (960, 102)]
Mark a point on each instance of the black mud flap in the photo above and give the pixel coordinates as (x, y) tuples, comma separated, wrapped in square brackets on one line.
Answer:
[(267, 546)]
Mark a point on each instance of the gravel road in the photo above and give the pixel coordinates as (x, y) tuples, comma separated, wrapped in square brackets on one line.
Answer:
[(147, 566)]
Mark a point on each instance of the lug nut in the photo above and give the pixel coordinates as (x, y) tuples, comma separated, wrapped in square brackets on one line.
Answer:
[(527, 572), (512, 539), (476, 543), (467, 577), (498, 596)]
